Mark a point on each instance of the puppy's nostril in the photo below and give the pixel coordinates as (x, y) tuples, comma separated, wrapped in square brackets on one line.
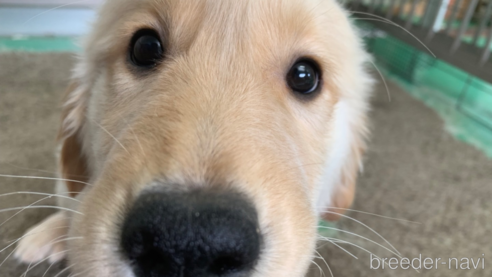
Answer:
[(140, 250), (191, 234), (136, 246), (225, 265)]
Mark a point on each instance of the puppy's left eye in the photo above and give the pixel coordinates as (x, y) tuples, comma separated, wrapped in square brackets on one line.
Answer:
[(146, 49), (303, 77)]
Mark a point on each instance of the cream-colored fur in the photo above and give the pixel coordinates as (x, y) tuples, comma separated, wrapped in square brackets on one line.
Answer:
[(216, 112)]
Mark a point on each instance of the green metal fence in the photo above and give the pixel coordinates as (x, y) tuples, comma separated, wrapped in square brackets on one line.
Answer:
[(463, 100)]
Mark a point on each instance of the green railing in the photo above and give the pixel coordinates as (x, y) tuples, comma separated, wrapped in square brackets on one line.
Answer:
[(463, 100)]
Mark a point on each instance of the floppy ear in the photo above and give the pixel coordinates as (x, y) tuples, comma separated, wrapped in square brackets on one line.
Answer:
[(72, 161), (344, 161)]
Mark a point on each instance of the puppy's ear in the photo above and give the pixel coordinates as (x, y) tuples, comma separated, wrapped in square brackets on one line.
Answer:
[(72, 161), (344, 162)]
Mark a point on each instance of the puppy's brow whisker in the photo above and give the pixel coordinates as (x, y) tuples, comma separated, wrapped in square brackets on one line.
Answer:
[(372, 230), (385, 20), (52, 9), (373, 214), (44, 178), (41, 207), (383, 79)]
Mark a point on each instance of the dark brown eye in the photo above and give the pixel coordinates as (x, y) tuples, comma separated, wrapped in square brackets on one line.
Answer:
[(146, 49), (303, 77)]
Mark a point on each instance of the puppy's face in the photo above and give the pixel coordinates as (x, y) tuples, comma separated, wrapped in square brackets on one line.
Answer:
[(214, 134)]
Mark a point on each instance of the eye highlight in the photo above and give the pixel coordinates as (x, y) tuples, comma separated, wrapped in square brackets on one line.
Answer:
[(304, 77), (146, 49)]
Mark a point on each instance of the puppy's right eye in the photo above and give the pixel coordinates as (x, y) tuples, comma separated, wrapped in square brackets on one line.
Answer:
[(304, 77), (146, 49)]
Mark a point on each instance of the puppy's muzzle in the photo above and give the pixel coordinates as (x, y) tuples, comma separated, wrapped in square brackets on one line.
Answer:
[(199, 234)]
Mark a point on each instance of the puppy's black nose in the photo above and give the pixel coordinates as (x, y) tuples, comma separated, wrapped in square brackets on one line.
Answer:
[(192, 234)]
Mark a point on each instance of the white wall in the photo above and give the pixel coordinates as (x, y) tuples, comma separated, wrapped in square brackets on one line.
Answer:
[(54, 3), (44, 21)]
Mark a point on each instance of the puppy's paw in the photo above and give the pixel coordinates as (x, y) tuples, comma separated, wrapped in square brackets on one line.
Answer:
[(45, 241)]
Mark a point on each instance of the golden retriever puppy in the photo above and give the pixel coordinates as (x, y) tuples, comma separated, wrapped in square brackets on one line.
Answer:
[(207, 138)]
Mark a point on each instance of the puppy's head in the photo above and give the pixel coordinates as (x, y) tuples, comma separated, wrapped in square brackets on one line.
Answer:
[(214, 133)]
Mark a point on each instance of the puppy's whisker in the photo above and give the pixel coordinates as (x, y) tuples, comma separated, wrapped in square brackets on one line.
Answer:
[(372, 230), (383, 79), (47, 258), (136, 138), (360, 247), (82, 272), (32, 169), (8, 256), (42, 261), (362, 237), (13, 242), (61, 252), (349, 243), (385, 20), (345, 250), (42, 194), (319, 267), (27, 207), (66, 269), (41, 207), (373, 214), (48, 269), (299, 166), (91, 268), (326, 263), (44, 178), (107, 132), (48, 244), (12, 252), (34, 203)]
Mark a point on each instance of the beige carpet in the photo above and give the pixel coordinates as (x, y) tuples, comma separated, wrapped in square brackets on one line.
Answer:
[(414, 171)]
